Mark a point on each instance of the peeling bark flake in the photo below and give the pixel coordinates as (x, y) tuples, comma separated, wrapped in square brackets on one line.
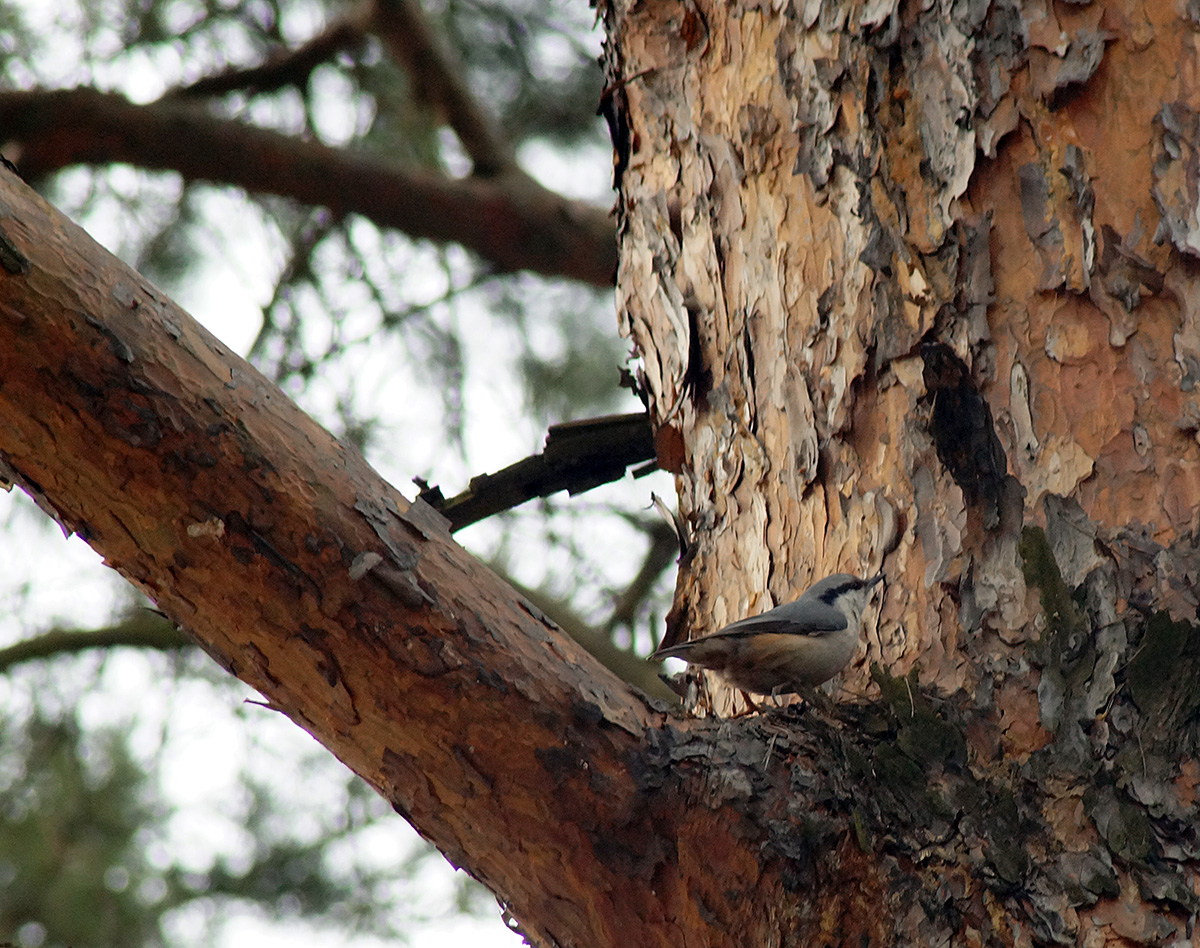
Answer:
[(1177, 177)]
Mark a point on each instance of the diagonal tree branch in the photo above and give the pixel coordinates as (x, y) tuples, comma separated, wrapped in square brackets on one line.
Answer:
[(347, 606), (438, 78), (513, 223)]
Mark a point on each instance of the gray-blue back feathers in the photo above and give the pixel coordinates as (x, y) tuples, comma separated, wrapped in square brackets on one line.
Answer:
[(794, 646)]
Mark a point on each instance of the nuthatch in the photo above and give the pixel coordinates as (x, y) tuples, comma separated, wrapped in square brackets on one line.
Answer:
[(793, 647)]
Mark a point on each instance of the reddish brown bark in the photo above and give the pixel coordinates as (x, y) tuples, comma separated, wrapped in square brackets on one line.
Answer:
[(250, 525), (915, 290)]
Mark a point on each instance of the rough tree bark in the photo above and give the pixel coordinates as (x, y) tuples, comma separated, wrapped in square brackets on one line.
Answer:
[(915, 287), (865, 344)]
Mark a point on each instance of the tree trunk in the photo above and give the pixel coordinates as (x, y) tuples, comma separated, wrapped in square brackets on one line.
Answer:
[(915, 289)]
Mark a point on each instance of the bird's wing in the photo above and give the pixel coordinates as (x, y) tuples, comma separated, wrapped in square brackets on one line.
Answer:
[(815, 621)]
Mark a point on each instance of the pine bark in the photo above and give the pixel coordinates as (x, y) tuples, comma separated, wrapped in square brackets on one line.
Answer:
[(915, 289)]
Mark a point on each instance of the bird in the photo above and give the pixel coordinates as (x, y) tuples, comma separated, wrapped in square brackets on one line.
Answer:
[(791, 648)]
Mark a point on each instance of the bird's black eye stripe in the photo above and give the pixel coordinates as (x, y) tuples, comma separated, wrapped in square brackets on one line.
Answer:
[(829, 596)]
